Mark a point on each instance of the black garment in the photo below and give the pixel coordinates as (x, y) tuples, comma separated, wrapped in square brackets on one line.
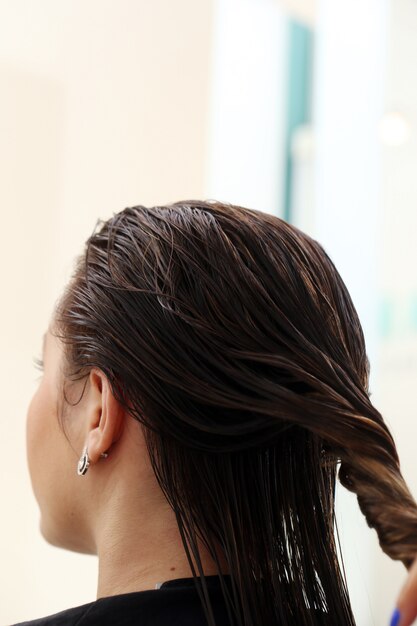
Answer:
[(175, 603)]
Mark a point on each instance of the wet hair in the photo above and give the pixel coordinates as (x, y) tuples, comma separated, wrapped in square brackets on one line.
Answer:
[(232, 339)]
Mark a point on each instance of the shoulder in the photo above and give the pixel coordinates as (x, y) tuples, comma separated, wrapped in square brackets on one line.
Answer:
[(151, 607), (63, 618)]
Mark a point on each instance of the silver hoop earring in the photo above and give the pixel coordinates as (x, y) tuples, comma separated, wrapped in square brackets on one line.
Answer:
[(83, 463)]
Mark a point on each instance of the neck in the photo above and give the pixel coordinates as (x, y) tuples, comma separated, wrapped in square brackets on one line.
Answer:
[(134, 530), (140, 551)]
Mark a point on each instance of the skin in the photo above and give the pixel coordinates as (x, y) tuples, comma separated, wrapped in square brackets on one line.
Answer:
[(117, 509), (407, 599)]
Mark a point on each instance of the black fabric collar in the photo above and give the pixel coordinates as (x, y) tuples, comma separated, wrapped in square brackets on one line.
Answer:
[(213, 580)]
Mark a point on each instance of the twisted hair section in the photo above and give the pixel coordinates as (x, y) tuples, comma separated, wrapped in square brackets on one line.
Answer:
[(232, 339)]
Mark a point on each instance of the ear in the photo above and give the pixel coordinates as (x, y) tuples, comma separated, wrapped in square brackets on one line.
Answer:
[(105, 416)]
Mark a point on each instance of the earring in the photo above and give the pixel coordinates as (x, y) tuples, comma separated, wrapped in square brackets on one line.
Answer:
[(84, 462)]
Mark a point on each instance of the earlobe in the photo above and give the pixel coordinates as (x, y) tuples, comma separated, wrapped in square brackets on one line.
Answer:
[(107, 425)]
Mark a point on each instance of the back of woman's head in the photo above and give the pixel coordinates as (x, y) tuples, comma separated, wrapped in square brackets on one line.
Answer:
[(231, 337)]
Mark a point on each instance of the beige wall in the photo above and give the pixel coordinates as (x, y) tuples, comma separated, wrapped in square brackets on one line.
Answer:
[(102, 105), (30, 153)]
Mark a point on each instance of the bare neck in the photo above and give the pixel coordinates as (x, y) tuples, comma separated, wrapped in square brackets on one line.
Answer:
[(137, 552)]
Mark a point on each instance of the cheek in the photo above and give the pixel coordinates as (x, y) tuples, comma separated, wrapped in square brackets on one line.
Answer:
[(45, 448), (38, 417), (52, 467), (43, 441)]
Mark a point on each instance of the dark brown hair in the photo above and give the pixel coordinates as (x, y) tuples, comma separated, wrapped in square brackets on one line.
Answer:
[(230, 336)]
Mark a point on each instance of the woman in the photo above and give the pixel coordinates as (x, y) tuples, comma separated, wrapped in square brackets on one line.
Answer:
[(204, 374)]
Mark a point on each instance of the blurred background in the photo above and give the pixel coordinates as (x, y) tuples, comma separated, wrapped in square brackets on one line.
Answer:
[(304, 109)]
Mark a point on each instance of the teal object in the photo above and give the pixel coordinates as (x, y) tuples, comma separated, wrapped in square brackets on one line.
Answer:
[(299, 95), (386, 316), (413, 312)]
